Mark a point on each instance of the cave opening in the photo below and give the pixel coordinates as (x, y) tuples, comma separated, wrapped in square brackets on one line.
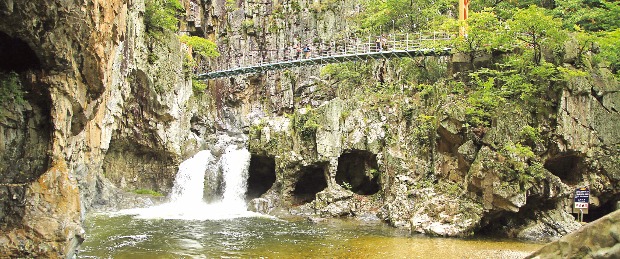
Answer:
[(600, 211), (311, 181), (262, 175), (503, 224), (568, 167), (358, 172), (16, 55)]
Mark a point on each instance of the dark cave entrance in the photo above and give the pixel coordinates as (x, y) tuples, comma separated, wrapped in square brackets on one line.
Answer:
[(16, 55), (603, 209), (262, 175), (568, 167), (358, 171), (502, 224), (311, 181)]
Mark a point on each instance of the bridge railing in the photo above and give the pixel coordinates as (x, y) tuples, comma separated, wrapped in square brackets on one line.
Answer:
[(322, 50)]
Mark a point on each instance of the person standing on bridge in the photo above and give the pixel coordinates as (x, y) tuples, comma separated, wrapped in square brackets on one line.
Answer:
[(297, 52), (307, 51), (378, 44), (383, 42)]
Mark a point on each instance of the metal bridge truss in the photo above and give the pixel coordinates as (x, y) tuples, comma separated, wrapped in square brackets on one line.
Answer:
[(391, 46)]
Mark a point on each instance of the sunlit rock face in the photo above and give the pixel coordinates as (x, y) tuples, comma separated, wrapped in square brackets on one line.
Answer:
[(433, 174), (88, 89), (110, 109)]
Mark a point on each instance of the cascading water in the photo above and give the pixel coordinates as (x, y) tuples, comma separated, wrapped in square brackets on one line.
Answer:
[(234, 164), (186, 198), (189, 182)]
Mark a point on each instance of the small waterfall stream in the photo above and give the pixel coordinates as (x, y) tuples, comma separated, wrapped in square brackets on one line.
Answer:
[(189, 182), (234, 164), (186, 198)]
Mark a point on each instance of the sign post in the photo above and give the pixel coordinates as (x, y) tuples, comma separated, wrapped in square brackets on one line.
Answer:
[(581, 201)]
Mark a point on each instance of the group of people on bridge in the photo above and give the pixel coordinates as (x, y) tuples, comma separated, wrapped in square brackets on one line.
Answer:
[(308, 50)]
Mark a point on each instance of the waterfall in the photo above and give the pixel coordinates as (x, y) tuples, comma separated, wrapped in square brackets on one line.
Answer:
[(235, 163), (186, 198), (189, 182)]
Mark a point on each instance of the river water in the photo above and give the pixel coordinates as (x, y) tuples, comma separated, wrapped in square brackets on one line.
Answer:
[(260, 237), (187, 227)]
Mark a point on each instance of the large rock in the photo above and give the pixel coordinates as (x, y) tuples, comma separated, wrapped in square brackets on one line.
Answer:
[(599, 239)]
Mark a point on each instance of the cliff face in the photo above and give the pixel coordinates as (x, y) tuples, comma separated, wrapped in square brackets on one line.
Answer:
[(109, 107), (407, 155), (93, 106)]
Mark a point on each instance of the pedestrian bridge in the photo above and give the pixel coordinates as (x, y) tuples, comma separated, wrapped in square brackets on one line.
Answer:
[(351, 49)]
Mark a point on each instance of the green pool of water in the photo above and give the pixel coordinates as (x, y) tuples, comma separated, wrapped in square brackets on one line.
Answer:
[(128, 237)]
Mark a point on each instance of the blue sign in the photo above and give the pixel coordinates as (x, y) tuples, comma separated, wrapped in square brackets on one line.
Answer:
[(582, 198)]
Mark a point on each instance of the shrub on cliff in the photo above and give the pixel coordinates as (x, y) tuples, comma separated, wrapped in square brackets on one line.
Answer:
[(10, 88), (201, 46), (161, 16)]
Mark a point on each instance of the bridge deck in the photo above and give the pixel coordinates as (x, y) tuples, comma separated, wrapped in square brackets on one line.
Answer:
[(405, 47)]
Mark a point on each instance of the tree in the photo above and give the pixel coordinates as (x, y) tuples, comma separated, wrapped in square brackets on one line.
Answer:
[(485, 32), (534, 29), (610, 49), (161, 16), (201, 46), (590, 15), (406, 15)]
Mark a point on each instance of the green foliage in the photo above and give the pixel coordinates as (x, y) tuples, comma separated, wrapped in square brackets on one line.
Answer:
[(231, 5), (148, 192), (522, 163), (161, 16), (189, 63), (405, 15), (591, 15), (610, 49), (11, 88), (373, 173), (305, 124), (347, 185), (203, 47), (198, 86), (485, 32), (295, 6), (256, 130), (535, 29), (530, 134), (247, 24), (483, 101), (426, 128), (348, 74), (323, 5)]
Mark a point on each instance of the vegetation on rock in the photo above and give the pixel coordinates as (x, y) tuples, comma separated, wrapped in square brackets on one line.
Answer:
[(161, 16), (148, 192), (10, 88)]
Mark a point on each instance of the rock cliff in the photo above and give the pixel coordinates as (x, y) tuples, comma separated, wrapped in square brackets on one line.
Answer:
[(95, 110), (109, 109)]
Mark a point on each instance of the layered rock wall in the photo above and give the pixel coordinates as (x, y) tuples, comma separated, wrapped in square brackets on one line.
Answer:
[(93, 105)]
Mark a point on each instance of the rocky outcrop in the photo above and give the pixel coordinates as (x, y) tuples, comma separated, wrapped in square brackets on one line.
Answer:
[(427, 157), (109, 108), (599, 239), (94, 105)]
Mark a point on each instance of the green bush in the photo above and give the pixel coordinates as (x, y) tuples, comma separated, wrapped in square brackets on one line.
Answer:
[(148, 192), (201, 46), (10, 88), (305, 124), (161, 16), (198, 86)]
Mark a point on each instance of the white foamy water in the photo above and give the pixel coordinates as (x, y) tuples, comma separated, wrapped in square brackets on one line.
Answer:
[(235, 163), (190, 180), (186, 199)]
